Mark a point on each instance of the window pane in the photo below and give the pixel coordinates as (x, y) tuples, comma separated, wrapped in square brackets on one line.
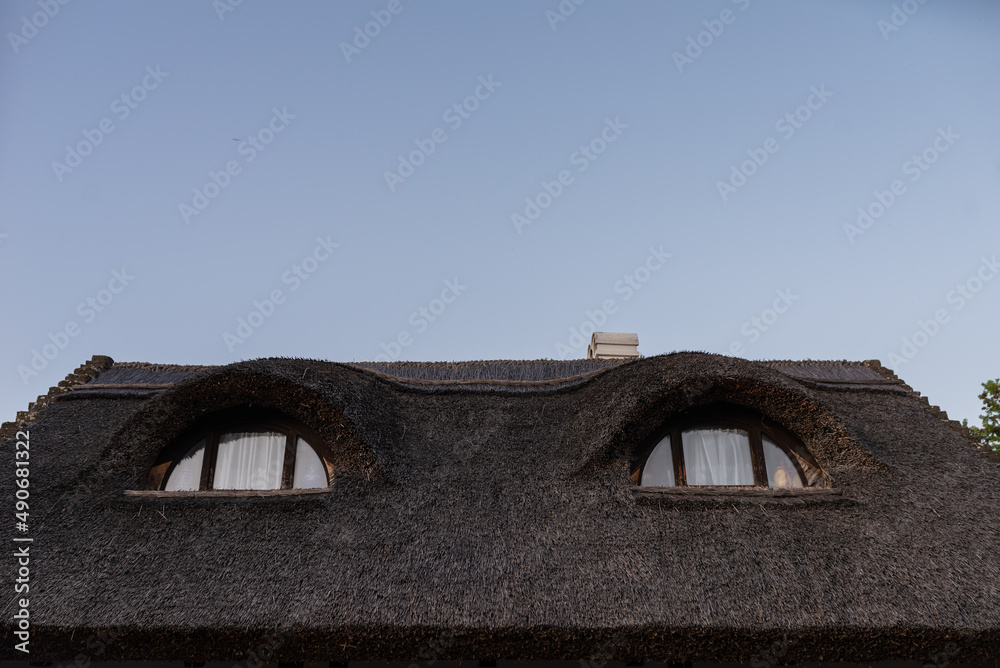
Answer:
[(717, 457), (781, 473), (659, 468), (309, 469), (250, 461), (186, 476)]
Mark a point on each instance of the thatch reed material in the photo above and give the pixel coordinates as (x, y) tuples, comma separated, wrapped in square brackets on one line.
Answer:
[(502, 517)]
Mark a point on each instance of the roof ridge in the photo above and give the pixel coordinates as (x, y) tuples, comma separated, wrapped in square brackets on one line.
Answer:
[(480, 381), (84, 373), (940, 413), (153, 366), (826, 362), (609, 362)]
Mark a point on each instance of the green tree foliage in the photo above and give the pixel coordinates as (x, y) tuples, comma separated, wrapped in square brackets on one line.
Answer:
[(989, 433)]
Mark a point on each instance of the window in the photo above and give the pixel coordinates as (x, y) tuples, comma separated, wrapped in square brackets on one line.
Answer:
[(722, 447), (242, 455)]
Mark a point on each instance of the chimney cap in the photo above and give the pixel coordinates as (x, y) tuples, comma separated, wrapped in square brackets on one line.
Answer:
[(613, 345)]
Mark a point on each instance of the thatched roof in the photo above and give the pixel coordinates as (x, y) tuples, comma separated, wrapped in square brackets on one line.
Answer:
[(483, 510)]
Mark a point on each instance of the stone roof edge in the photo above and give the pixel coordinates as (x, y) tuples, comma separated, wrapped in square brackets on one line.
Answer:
[(84, 373)]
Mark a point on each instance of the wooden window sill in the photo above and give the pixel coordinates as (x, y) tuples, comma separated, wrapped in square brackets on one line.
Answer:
[(706, 490), (726, 496), (225, 493)]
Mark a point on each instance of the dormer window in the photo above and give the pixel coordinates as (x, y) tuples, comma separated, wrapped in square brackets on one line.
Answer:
[(242, 455), (729, 448)]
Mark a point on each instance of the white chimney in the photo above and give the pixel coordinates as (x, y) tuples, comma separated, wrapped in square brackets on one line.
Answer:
[(612, 345)]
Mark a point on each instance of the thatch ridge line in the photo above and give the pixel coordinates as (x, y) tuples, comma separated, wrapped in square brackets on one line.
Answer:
[(482, 382), (122, 386), (474, 363), (154, 366), (941, 414), (83, 374), (814, 362), (851, 386), (824, 381), (128, 394)]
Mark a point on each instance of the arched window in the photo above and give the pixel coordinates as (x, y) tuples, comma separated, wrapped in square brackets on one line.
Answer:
[(242, 454), (723, 447)]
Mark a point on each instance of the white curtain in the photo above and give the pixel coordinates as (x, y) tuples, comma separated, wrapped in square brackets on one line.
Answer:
[(717, 457), (781, 472), (250, 461), (186, 476), (309, 469), (659, 468)]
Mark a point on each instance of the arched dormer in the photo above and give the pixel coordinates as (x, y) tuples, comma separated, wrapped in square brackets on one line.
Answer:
[(624, 416), (243, 450), (723, 445), (272, 404)]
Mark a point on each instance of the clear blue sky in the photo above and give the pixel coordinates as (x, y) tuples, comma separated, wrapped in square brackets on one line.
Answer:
[(320, 114)]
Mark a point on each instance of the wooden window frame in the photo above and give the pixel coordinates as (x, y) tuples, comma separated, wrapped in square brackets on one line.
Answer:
[(212, 429), (721, 417)]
